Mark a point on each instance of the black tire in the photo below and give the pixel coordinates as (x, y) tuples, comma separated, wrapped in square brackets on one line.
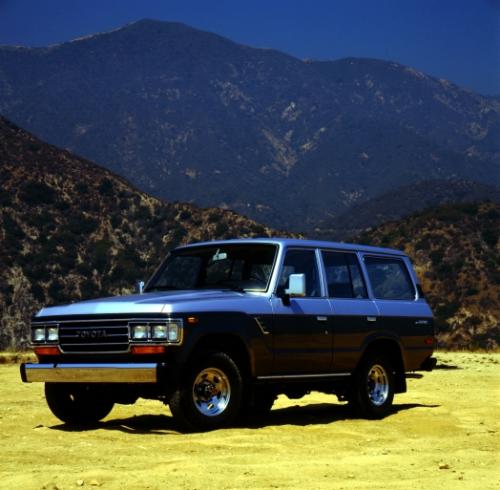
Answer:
[(372, 392), (78, 404), (209, 395)]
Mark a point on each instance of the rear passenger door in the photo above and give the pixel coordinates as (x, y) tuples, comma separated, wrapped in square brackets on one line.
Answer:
[(302, 339), (354, 313)]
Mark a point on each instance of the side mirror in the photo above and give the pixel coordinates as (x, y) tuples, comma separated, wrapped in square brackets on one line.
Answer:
[(296, 285), (139, 287), (296, 288)]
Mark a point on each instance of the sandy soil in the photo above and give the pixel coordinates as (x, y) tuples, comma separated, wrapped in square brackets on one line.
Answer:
[(443, 434)]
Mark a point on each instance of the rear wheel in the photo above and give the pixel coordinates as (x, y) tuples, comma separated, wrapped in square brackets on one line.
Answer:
[(209, 396), (373, 389), (78, 404)]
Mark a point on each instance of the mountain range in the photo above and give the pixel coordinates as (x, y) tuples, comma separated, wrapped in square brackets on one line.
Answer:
[(187, 115)]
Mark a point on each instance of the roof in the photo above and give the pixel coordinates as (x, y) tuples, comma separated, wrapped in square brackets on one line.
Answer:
[(295, 242)]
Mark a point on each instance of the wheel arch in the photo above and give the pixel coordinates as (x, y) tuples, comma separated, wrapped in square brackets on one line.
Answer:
[(229, 343), (390, 347)]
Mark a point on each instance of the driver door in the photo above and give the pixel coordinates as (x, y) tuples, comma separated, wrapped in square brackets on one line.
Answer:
[(302, 335)]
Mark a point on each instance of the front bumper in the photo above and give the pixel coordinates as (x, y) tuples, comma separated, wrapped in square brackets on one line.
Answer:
[(91, 373)]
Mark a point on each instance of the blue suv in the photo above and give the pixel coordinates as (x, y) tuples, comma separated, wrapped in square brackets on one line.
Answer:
[(223, 327)]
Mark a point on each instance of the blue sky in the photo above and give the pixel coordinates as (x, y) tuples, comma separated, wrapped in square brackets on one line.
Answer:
[(454, 39)]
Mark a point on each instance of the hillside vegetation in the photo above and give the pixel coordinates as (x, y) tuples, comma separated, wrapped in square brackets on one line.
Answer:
[(456, 252), (71, 230)]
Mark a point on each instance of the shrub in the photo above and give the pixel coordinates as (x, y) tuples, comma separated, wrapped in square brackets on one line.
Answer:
[(258, 230), (37, 193), (11, 227), (80, 225), (214, 217), (56, 291), (88, 289), (185, 215), (99, 258), (81, 188), (38, 292), (220, 229), (490, 236), (106, 188), (436, 257)]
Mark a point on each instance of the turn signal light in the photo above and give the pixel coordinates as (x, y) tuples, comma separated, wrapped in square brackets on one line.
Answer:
[(148, 349), (46, 351)]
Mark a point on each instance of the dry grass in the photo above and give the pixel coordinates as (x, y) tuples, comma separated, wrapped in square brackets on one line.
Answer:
[(16, 357)]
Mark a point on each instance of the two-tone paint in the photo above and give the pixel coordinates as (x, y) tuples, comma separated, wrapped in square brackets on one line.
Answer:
[(314, 337)]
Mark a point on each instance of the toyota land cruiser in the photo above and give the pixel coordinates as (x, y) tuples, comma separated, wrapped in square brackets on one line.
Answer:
[(223, 327)]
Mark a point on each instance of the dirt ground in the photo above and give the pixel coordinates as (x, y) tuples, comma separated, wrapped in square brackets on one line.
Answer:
[(443, 434)]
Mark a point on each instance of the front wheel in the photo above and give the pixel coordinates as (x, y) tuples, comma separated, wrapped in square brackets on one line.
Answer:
[(209, 396), (373, 388), (78, 404)]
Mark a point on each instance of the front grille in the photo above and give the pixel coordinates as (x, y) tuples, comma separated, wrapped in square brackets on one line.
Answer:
[(110, 335)]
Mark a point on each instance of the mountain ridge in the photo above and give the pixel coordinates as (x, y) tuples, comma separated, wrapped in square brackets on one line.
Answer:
[(181, 113), (390, 207)]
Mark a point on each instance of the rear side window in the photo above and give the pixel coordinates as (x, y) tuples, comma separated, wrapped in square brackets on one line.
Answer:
[(389, 278), (343, 275)]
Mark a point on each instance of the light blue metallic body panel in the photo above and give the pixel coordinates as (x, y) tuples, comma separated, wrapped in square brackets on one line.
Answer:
[(251, 303), (167, 303)]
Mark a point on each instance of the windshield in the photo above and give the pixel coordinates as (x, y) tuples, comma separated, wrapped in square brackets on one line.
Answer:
[(241, 267)]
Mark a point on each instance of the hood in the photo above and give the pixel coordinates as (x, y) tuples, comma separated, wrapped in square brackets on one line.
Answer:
[(154, 302)]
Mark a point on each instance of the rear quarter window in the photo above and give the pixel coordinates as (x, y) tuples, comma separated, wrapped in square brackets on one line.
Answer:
[(389, 278)]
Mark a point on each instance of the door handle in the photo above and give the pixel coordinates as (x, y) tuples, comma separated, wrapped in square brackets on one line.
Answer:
[(371, 318)]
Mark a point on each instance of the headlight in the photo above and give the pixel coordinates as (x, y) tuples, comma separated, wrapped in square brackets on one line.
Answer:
[(164, 331), (140, 332), (159, 332), (38, 334), (52, 334), (173, 332)]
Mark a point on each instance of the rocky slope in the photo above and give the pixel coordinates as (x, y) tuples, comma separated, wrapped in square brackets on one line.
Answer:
[(188, 115), (71, 230), (456, 252)]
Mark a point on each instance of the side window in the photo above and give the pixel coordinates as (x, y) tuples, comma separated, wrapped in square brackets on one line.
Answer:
[(389, 278), (301, 262), (343, 275)]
